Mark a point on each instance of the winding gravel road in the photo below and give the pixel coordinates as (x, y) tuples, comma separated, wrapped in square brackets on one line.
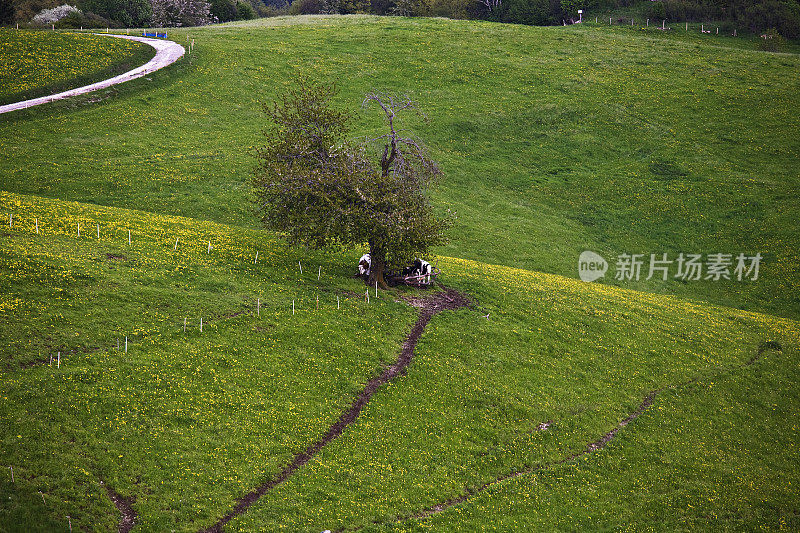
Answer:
[(167, 52)]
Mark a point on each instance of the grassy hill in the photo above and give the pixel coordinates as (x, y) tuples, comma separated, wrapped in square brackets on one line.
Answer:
[(553, 140), (188, 421), (550, 403), (165, 412), (705, 456)]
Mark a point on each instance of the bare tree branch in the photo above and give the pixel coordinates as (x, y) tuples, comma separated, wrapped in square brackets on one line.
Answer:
[(406, 157)]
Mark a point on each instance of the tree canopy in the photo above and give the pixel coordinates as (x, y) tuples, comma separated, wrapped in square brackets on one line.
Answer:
[(318, 187)]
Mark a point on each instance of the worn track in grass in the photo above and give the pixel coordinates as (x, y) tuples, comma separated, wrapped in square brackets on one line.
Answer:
[(429, 306), (590, 448), (125, 507)]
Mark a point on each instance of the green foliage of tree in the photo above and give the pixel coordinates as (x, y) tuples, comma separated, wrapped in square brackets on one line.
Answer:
[(127, 13), (25, 10), (227, 10), (347, 7), (381, 7), (6, 12), (756, 16), (535, 12), (413, 8), (223, 10), (781, 15), (177, 13), (245, 11), (771, 41), (569, 8), (455, 9), (313, 7), (318, 188)]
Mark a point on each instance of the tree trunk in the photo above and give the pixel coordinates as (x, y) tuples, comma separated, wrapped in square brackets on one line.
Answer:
[(377, 268), (388, 158)]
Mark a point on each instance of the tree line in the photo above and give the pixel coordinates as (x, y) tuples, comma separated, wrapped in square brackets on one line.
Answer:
[(744, 15), (780, 16), (756, 16), (129, 13)]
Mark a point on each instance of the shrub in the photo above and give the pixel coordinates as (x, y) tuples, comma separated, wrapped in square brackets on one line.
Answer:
[(6, 12), (347, 7), (314, 7), (381, 7), (771, 41), (456, 9), (691, 10), (782, 16), (568, 9), (656, 11), (307, 7), (727, 27), (223, 10), (273, 5), (757, 16), (412, 8), (536, 12), (272, 10), (73, 20)]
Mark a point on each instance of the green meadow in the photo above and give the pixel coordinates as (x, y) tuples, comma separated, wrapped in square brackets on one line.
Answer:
[(38, 63), (552, 141)]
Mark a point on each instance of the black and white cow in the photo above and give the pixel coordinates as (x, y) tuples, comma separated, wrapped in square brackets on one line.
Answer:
[(419, 268), (364, 265)]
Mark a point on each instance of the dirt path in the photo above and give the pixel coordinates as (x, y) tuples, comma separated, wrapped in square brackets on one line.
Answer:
[(167, 52), (429, 306), (125, 507), (592, 447)]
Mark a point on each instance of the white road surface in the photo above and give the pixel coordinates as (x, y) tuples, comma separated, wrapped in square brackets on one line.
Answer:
[(167, 52)]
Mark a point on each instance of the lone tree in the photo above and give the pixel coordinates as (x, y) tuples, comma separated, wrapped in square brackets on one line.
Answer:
[(319, 188)]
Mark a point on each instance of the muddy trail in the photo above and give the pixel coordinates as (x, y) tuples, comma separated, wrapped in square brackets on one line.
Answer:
[(590, 448), (429, 305), (125, 507), (600, 443)]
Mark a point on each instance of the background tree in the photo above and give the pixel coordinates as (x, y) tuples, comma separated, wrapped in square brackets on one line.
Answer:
[(318, 188), (6, 12), (178, 13), (223, 10), (347, 7), (245, 11), (128, 13)]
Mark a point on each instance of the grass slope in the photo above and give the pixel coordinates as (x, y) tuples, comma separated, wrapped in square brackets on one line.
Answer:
[(714, 455), (553, 140), (581, 357), (38, 63), (188, 422)]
